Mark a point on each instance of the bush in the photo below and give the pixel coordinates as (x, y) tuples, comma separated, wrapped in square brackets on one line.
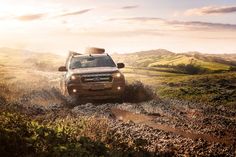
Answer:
[(190, 69), (19, 136), (232, 68)]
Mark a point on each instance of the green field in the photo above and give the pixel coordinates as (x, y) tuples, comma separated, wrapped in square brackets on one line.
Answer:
[(218, 89)]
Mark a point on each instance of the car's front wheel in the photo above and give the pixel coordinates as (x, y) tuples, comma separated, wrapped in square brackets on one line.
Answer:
[(120, 99)]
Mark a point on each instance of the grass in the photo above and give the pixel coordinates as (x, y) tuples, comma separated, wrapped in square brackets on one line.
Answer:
[(219, 88), (157, 60), (26, 137), (182, 59)]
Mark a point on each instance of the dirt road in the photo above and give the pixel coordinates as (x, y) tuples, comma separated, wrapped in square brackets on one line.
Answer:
[(170, 126)]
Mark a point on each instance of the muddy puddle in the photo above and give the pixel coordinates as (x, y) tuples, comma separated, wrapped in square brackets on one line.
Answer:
[(125, 116)]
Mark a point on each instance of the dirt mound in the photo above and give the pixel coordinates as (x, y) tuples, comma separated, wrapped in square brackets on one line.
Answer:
[(138, 92)]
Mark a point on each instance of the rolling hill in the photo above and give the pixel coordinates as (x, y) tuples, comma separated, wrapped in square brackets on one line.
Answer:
[(29, 59), (164, 58)]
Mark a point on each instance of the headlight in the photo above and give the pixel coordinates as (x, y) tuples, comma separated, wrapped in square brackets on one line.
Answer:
[(117, 74), (74, 77)]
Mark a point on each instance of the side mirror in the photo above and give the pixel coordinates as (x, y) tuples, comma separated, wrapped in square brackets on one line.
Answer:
[(120, 65), (62, 68)]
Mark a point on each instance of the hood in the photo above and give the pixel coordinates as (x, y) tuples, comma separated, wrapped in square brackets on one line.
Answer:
[(94, 70)]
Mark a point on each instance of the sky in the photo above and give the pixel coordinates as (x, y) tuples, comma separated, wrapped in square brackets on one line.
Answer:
[(207, 26)]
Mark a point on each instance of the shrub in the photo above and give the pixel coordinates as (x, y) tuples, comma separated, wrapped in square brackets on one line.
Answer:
[(190, 69), (20, 136), (232, 68)]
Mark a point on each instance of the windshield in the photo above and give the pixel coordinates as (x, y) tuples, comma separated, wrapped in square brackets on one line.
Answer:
[(91, 61)]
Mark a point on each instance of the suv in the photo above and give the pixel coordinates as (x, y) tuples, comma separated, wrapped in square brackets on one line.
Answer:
[(93, 75)]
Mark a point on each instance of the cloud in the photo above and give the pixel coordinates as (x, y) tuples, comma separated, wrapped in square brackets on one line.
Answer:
[(211, 10), (128, 33), (204, 25), (137, 19), (129, 7), (190, 25), (30, 17), (39, 16), (117, 33), (79, 12)]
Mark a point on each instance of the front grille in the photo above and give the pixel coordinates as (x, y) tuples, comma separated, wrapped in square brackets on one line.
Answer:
[(96, 78)]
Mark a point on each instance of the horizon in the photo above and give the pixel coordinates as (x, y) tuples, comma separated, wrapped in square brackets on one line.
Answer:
[(119, 27), (66, 52)]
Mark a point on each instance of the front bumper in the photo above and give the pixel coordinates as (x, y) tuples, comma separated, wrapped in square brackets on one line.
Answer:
[(94, 90)]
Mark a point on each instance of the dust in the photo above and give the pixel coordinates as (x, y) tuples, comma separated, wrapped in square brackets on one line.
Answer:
[(2, 100), (138, 92), (43, 97)]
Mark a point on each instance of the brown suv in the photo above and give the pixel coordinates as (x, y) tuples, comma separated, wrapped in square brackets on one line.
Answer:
[(92, 76)]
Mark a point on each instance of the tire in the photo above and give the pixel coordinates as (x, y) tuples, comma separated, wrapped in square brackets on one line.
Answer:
[(73, 100), (120, 99)]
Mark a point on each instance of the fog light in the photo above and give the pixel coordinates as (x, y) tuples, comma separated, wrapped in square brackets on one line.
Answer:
[(118, 88), (73, 77), (74, 90)]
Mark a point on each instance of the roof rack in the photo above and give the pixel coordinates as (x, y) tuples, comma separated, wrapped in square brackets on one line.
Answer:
[(71, 54)]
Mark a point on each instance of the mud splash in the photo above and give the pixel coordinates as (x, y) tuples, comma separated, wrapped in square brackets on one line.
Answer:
[(147, 120), (138, 92)]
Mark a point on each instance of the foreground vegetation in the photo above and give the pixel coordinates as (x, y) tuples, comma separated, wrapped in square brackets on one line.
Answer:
[(24, 134)]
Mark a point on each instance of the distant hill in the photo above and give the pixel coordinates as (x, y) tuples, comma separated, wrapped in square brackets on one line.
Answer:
[(30, 59), (162, 57), (158, 52)]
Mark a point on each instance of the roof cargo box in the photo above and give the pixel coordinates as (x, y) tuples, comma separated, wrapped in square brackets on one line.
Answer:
[(95, 50)]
